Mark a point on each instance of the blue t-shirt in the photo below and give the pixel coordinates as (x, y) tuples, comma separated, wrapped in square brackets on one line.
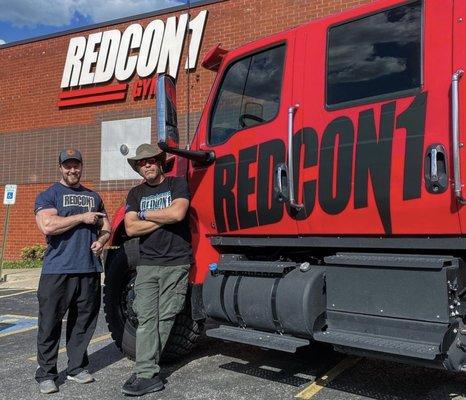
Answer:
[(70, 252)]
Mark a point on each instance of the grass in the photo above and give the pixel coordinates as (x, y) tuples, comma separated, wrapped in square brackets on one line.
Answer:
[(22, 264)]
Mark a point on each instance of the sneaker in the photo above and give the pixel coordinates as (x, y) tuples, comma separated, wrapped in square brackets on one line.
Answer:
[(142, 386), (130, 380), (82, 377), (48, 386)]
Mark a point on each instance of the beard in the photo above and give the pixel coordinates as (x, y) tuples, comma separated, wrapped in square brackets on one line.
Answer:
[(71, 179), (152, 176)]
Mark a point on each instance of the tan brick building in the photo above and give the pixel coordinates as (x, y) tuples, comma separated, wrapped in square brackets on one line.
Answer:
[(36, 121)]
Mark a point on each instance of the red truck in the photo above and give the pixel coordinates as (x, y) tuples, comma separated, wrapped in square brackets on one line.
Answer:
[(327, 200)]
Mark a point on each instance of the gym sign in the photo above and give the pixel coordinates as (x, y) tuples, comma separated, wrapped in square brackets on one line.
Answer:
[(103, 56)]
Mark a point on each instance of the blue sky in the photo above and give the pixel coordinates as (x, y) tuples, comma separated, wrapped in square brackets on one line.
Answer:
[(24, 19)]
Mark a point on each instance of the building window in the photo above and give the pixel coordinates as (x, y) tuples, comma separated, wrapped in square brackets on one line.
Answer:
[(378, 55), (249, 94)]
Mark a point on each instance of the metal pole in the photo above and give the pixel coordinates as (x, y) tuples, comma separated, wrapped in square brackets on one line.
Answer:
[(5, 231)]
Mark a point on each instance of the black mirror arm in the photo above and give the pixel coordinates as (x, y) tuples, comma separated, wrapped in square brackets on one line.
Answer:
[(199, 156)]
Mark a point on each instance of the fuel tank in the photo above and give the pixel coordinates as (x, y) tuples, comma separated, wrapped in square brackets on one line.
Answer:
[(283, 297)]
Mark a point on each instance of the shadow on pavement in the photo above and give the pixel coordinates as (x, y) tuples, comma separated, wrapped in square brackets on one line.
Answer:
[(295, 369), (384, 380), (98, 360)]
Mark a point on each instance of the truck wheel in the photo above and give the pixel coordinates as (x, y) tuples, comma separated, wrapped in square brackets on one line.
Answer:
[(183, 337), (118, 302), (122, 321)]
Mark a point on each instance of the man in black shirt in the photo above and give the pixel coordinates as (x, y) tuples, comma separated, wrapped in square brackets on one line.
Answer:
[(156, 212)]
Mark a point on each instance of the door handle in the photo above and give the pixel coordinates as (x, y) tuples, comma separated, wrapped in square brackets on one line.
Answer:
[(435, 169), (281, 183), (433, 165), (291, 112), (455, 134)]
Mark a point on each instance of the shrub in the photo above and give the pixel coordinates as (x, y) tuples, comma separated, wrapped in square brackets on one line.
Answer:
[(33, 253)]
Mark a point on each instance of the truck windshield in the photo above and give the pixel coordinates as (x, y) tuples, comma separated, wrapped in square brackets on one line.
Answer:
[(249, 94)]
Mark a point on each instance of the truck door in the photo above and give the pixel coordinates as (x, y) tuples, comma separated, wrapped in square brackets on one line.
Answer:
[(245, 124), (458, 95), (375, 114)]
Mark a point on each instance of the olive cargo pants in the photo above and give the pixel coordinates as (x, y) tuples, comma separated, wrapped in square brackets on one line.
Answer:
[(160, 296)]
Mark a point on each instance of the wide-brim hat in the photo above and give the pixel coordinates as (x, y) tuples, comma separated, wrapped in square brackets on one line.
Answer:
[(146, 150)]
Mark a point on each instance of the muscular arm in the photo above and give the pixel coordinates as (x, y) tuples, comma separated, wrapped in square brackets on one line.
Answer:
[(50, 223), (170, 215), (98, 245), (137, 227), (156, 218), (105, 231)]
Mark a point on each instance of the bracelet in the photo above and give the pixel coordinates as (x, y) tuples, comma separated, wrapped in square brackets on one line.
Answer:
[(142, 215), (103, 231)]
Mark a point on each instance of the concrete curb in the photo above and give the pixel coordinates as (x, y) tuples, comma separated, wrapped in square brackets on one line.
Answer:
[(21, 278)]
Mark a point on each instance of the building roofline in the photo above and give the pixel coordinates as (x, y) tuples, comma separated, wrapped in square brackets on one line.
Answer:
[(194, 4)]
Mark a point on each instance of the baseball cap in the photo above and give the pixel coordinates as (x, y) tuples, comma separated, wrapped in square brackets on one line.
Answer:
[(70, 154)]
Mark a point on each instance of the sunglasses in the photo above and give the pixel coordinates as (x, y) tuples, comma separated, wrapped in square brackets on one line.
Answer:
[(150, 161)]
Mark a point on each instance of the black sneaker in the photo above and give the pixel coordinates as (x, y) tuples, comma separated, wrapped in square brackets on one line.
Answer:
[(142, 386), (130, 380)]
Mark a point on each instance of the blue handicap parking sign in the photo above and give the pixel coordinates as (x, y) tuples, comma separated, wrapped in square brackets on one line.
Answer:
[(10, 194)]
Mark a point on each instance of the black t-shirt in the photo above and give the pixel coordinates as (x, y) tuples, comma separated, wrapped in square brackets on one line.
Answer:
[(171, 243)]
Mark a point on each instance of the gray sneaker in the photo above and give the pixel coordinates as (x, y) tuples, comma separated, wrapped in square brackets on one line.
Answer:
[(47, 387), (82, 377)]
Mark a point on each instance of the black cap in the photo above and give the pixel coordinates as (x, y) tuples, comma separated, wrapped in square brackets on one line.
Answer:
[(70, 154)]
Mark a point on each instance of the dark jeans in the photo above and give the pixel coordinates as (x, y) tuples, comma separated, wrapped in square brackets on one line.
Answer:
[(79, 294)]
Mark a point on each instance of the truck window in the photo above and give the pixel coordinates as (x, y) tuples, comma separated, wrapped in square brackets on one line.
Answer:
[(249, 94), (378, 55)]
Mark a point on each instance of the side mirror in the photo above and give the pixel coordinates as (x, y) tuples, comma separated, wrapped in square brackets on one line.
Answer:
[(167, 122)]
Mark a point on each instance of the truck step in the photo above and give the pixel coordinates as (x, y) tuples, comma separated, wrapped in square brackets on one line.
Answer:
[(252, 337), (410, 261), (427, 351)]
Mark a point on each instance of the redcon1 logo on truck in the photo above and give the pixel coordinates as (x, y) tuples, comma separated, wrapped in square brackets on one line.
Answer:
[(103, 56), (365, 144)]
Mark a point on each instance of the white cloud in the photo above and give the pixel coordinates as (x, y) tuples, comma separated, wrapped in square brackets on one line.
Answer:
[(105, 10), (31, 13), (2, 42)]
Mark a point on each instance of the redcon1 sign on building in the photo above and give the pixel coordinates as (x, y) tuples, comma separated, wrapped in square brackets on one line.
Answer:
[(104, 56)]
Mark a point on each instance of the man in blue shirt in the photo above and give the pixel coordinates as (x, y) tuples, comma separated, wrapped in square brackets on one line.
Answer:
[(74, 221)]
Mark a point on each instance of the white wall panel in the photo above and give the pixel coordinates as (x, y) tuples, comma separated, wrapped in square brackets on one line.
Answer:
[(132, 133)]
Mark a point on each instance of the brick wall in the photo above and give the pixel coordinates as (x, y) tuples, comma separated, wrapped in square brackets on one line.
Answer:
[(33, 129)]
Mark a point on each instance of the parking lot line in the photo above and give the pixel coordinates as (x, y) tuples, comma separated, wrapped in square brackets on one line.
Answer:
[(13, 324), (315, 387), (17, 294), (95, 340)]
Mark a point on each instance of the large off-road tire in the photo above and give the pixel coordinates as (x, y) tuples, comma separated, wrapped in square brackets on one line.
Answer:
[(122, 320)]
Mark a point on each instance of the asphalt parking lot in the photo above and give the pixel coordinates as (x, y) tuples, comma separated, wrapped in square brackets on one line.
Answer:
[(215, 370)]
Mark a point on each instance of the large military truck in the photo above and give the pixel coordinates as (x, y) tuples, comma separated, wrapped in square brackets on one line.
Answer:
[(327, 198)]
